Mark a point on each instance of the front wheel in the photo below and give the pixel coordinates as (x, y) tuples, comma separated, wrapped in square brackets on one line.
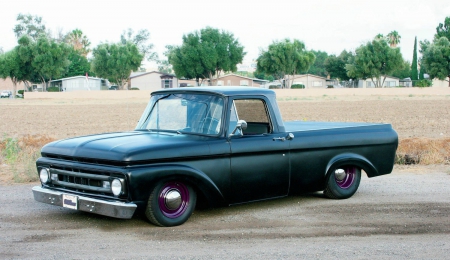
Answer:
[(343, 182), (170, 203)]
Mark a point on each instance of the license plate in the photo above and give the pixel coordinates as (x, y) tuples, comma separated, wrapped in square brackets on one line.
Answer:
[(70, 201)]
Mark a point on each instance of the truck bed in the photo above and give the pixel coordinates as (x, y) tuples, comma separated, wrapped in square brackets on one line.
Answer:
[(299, 126)]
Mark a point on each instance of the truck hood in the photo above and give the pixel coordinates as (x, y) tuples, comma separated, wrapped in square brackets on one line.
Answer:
[(130, 146)]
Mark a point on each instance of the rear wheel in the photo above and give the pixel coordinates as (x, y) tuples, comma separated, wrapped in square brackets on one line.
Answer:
[(343, 182), (170, 203)]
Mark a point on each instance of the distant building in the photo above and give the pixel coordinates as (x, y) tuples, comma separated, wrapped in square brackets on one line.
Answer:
[(406, 82), (6, 84), (389, 82), (153, 80), (310, 81), (226, 80), (79, 83), (237, 80)]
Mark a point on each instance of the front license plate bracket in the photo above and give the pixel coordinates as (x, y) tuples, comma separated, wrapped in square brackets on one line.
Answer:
[(70, 201)]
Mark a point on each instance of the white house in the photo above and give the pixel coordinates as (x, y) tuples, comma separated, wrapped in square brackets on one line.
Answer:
[(79, 83), (389, 82), (310, 81)]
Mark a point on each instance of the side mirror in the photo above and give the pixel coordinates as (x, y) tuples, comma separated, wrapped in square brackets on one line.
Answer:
[(241, 125)]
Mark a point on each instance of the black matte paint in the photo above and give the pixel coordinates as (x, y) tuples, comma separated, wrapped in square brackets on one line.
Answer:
[(231, 170)]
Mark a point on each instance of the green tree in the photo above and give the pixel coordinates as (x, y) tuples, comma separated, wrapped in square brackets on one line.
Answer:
[(50, 59), (379, 37), (285, 59), (414, 72), (374, 61), (335, 65), (393, 38), (185, 59), (443, 30), (423, 47), (29, 25), (10, 68), (437, 59), (140, 39), (318, 67), (261, 75), (78, 41), (205, 54), (115, 62), (79, 64), (403, 71), (17, 63), (25, 51)]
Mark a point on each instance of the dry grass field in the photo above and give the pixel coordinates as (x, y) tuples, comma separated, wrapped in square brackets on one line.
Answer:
[(420, 116)]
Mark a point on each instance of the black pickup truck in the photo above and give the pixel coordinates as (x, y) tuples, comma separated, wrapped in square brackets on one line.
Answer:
[(212, 146)]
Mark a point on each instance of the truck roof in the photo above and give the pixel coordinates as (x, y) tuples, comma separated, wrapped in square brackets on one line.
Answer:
[(220, 90)]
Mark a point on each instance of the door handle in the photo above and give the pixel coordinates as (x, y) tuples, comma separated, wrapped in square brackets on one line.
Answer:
[(290, 136)]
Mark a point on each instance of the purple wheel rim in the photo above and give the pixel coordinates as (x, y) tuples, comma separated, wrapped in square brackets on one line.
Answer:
[(348, 179), (173, 188)]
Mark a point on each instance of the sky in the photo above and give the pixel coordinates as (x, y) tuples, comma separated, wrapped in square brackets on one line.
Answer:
[(325, 25)]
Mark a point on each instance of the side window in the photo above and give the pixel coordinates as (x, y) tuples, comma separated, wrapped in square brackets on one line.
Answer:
[(254, 112), (233, 120)]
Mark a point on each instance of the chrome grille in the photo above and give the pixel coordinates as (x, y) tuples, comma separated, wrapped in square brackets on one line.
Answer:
[(80, 180)]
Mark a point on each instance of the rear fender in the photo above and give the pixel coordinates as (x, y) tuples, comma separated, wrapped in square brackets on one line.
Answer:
[(352, 159)]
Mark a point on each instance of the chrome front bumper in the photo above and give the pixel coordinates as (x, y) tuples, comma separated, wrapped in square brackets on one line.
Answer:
[(107, 208)]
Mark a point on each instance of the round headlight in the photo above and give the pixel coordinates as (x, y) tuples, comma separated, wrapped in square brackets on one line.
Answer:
[(44, 175), (116, 187)]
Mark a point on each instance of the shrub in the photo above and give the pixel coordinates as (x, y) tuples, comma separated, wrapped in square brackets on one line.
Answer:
[(423, 83), (330, 86), (298, 86), (20, 155), (274, 87), (53, 89), (423, 151), (134, 88), (9, 148)]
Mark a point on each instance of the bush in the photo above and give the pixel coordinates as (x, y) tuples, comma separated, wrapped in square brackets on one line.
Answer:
[(53, 89), (134, 88), (423, 83), (19, 155), (274, 87), (298, 86)]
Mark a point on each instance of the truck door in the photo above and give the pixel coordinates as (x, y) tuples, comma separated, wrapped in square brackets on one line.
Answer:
[(259, 155)]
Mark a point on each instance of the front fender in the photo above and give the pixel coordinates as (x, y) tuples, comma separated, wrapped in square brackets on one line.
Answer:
[(352, 159), (142, 181)]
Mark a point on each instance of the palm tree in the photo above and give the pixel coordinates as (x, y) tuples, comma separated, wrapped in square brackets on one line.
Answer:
[(379, 37), (393, 39), (79, 41)]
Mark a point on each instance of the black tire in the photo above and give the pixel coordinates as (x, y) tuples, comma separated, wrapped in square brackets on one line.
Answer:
[(342, 182), (171, 203)]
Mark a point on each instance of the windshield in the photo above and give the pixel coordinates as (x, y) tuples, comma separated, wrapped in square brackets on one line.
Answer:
[(183, 113)]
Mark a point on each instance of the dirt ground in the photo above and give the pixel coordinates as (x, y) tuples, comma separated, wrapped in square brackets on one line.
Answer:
[(403, 215), (411, 115)]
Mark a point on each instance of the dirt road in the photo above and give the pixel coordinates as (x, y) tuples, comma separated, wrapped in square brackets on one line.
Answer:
[(404, 215)]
